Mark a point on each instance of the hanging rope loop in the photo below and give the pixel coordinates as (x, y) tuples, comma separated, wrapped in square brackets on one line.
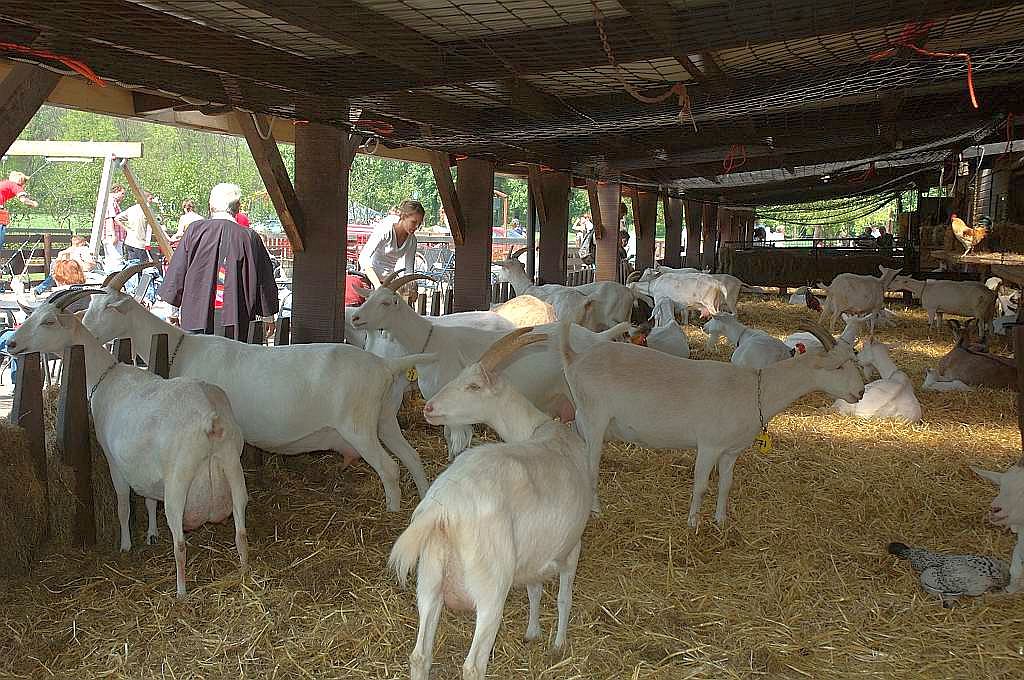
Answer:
[(735, 159), (79, 67)]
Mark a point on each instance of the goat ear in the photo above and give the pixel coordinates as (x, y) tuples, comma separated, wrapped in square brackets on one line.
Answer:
[(990, 475)]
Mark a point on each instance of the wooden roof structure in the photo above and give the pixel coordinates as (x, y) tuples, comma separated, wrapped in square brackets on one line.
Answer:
[(761, 99)]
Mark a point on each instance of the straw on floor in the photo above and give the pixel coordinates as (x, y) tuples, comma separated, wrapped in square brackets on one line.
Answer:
[(798, 585)]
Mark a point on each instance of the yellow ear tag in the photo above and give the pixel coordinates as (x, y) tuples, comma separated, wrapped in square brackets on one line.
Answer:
[(411, 374), (763, 442)]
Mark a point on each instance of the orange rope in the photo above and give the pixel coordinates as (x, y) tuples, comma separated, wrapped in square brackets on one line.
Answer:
[(729, 163), (75, 65), (910, 38), (685, 108), (865, 176)]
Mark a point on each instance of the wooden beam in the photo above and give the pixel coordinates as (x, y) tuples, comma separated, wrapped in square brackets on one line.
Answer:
[(144, 103), (606, 259), (673, 210), (22, 92), (275, 176), (551, 190), (449, 196), (473, 257), (694, 218), (656, 18), (75, 447), (140, 197), (26, 147), (645, 219), (595, 209)]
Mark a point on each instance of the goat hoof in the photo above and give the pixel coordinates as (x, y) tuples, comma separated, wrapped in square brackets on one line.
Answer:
[(532, 635)]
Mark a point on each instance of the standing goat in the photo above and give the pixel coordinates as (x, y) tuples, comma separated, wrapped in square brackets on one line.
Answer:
[(535, 372), (325, 397), (504, 514), (892, 396), (628, 393), (963, 298), (856, 294), (171, 440), (700, 291), (754, 347), (1007, 510)]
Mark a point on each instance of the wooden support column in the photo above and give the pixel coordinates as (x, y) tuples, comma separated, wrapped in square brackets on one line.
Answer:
[(140, 198), (473, 258), (694, 220), (605, 198), (75, 447), (322, 157), (264, 151), (645, 219), (449, 196), (550, 192), (709, 237), (27, 410), (22, 92), (673, 208)]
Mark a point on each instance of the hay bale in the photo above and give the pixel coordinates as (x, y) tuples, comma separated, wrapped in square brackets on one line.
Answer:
[(22, 503)]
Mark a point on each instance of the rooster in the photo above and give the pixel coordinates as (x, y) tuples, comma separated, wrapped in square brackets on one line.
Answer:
[(951, 576), (811, 301), (970, 237)]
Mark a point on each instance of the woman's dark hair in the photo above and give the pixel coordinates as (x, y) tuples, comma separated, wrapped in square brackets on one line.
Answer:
[(188, 206)]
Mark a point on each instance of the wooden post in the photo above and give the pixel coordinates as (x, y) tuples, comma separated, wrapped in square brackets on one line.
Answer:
[(225, 332), (274, 174), (495, 292), (435, 303), (709, 238), (673, 208), (421, 304), (257, 333), (73, 437), (645, 219), (282, 336), (694, 220), (27, 409), (123, 351), (22, 92), (318, 281), (158, 231), (159, 363), (473, 257), (47, 253), (550, 192), (449, 301), (450, 201), (102, 197), (606, 258), (531, 237)]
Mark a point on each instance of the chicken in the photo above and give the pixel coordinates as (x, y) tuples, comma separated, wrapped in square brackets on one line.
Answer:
[(970, 237), (811, 301), (950, 576)]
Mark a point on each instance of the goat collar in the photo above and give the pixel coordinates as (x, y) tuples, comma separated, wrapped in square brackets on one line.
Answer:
[(102, 377), (427, 341), (177, 346)]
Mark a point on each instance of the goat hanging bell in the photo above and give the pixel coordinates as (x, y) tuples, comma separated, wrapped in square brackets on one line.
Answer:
[(763, 442)]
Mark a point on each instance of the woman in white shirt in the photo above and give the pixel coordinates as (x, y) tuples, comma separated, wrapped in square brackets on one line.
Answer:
[(391, 242)]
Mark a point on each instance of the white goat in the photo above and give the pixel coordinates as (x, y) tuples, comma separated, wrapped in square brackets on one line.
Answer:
[(570, 304), (754, 347), (171, 440), (855, 326), (501, 515), (892, 396), (1007, 510), (526, 310), (667, 335), (628, 393), (962, 298), (700, 291), (325, 397), (856, 294), (936, 383), (733, 285), (535, 372)]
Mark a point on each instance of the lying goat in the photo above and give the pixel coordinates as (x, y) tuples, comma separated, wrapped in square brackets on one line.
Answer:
[(892, 396), (504, 514), (174, 440), (933, 383), (754, 348), (972, 365), (1007, 510), (855, 326), (628, 393), (325, 396), (569, 303), (525, 310)]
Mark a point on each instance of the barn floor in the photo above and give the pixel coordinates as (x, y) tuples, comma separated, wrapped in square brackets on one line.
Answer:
[(798, 585)]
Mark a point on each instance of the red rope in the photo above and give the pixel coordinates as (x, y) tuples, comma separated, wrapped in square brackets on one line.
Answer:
[(865, 176), (75, 65), (730, 163), (911, 38), (379, 126)]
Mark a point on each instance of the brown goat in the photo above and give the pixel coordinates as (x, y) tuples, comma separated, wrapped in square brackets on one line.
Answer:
[(973, 364)]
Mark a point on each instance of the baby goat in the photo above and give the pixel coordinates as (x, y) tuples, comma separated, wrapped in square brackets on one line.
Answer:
[(502, 514), (172, 440)]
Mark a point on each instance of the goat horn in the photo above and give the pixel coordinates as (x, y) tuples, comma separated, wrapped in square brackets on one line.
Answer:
[(514, 255), (634, 277), (395, 284), (507, 345), (391, 277), (823, 336), (66, 301), (117, 280)]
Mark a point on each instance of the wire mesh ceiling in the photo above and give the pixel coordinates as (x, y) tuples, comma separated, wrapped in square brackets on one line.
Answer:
[(790, 87)]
